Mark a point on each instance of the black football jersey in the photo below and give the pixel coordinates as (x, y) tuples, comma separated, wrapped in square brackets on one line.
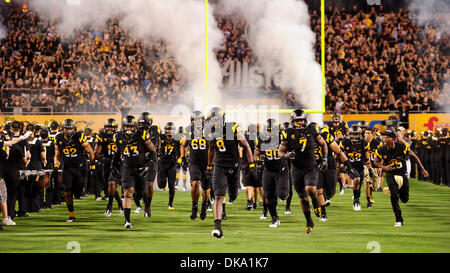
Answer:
[(329, 138), (170, 150), (355, 152), (155, 133), (226, 152), (302, 142), (198, 147), (339, 131), (132, 150), (374, 145), (72, 153), (52, 135), (107, 143), (395, 157), (269, 152)]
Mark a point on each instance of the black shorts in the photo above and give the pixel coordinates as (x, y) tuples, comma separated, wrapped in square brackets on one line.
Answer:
[(198, 173), (275, 184), (130, 178), (302, 178), (72, 180), (226, 178), (247, 177), (166, 174)]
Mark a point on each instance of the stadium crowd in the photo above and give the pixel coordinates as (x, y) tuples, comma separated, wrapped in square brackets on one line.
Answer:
[(376, 60)]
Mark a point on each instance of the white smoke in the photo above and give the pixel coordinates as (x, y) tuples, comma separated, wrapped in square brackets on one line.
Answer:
[(281, 36), (180, 23)]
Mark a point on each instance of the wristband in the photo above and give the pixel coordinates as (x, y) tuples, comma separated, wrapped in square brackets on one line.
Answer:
[(251, 165), (92, 167), (209, 167), (179, 160)]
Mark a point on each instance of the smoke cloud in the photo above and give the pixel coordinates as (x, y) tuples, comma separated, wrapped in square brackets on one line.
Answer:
[(281, 36), (180, 23)]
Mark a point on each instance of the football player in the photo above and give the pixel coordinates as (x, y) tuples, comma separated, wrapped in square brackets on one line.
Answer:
[(195, 140), (391, 158), (297, 143), (339, 130), (130, 159), (372, 184), (223, 152), (104, 153), (170, 151), (275, 174), (357, 149), (70, 147)]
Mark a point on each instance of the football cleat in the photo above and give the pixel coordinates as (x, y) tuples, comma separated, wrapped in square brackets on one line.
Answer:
[(108, 213), (369, 205), (71, 220), (217, 233), (318, 211), (224, 216), (203, 212), (8, 222), (171, 207), (309, 230), (263, 215), (147, 213), (287, 211), (356, 206), (323, 218), (138, 210), (327, 203), (398, 224), (194, 213), (128, 225), (275, 223), (121, 210), (249, 205), (341, 192), (99, 198)]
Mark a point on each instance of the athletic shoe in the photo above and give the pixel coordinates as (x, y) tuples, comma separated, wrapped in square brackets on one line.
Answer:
[(264, 215), (254, 205), (208, 206), (194, 213), (356, 205), (138, 210), (8, 222), (217, 233), (398, 224), (99, 198), (327, 203), (275, 223), (386, 190), (171, 207), (249, 205), (380, 189), (318, 211), (71, 220), (287, 211), (309, 227), (147, 213), (121, 210), (261, 204), (323, 218), (369, 205), (341, 192), (176, 187), (108, 213), (128, 225), (230, 203), (224, 216), (203, 212)]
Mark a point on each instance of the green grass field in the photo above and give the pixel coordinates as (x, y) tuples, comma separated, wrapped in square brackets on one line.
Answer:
[(426, 229)]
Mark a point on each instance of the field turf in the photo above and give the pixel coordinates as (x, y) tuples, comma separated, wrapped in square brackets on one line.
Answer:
[(426, 229)]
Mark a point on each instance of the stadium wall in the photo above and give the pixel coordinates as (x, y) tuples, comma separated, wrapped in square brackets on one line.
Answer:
[(417, 122)]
